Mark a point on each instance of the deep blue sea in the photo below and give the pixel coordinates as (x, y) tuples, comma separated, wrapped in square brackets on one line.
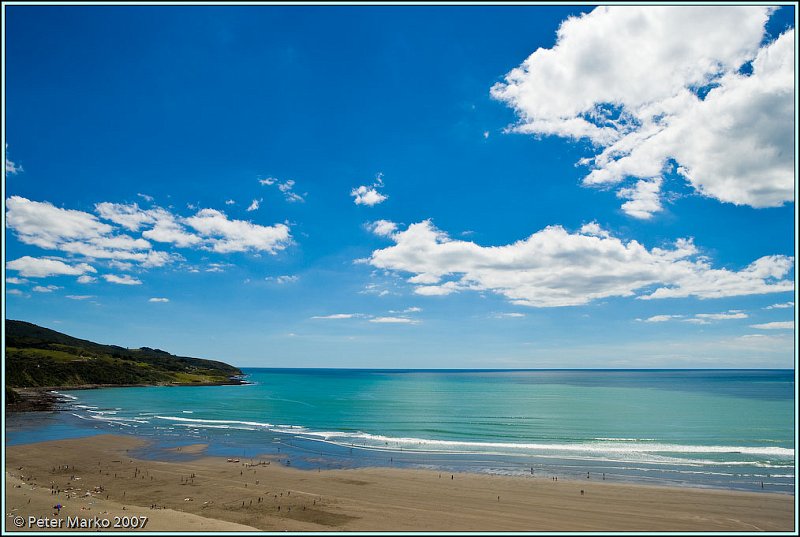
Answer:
[(730, 429)]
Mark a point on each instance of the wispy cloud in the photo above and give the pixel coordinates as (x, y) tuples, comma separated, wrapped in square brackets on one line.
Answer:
[(508, 315), (284, 279), (335, 316), (706, 318), (46, 288), (698, 318), (217, 267), (660, 318), (11, 167), (783, 305), (412, 309), (394, 320), (125, 279), (158, 299), (779, 325), (286, 188), (255, 205), (80, 297)]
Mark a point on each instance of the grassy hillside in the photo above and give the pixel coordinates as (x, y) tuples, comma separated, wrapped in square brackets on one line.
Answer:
[(38, 357)]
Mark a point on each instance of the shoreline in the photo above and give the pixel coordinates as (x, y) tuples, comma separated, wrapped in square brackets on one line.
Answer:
[(312, 453), (41, 398), (378, 499)]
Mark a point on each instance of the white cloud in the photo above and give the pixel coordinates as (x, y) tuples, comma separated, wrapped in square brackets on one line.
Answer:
[(628, 78), (445, 289), (81, 233), (508, 315), (120, 265), (167, 229), (338, 316), (227, 236), (125, 279), (46, 226), (645, 199), (779, 325), (660, 318), (283, 279), (553, 267), (46, 288), (593, 228), (382, 228), (165, 226), (40, 267), (254, 206), (394, 320), (783, 305), (268, 181), (80, 297), (16, 281), (14, 292), (158, 299), (230, 202), (369, 195), (86, 279), (145, 197), (130, 217)]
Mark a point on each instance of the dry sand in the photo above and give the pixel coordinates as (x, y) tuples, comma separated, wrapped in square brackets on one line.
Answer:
[(213, 494)]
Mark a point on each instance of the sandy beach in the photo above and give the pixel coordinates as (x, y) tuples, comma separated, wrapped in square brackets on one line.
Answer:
[(97, 477)]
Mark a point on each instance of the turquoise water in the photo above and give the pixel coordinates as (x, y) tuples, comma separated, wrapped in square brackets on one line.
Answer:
[(720, 428)]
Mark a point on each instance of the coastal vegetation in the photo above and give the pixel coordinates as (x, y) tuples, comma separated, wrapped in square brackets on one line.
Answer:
[(37, 357)]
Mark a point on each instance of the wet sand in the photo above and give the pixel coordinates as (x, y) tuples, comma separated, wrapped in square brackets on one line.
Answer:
[(97, 476)]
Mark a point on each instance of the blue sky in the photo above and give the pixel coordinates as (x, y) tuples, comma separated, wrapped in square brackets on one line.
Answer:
[(456, 187)]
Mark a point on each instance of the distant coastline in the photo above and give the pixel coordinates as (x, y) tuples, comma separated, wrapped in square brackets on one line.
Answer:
[(45, 398), (40, 360)]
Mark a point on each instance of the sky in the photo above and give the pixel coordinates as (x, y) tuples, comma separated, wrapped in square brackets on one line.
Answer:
[(406, 187)]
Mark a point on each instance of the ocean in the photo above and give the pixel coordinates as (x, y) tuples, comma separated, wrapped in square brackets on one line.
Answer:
[(731, 429)]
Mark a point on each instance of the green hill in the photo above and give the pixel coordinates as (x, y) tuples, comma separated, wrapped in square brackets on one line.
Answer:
[(40, 357)]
